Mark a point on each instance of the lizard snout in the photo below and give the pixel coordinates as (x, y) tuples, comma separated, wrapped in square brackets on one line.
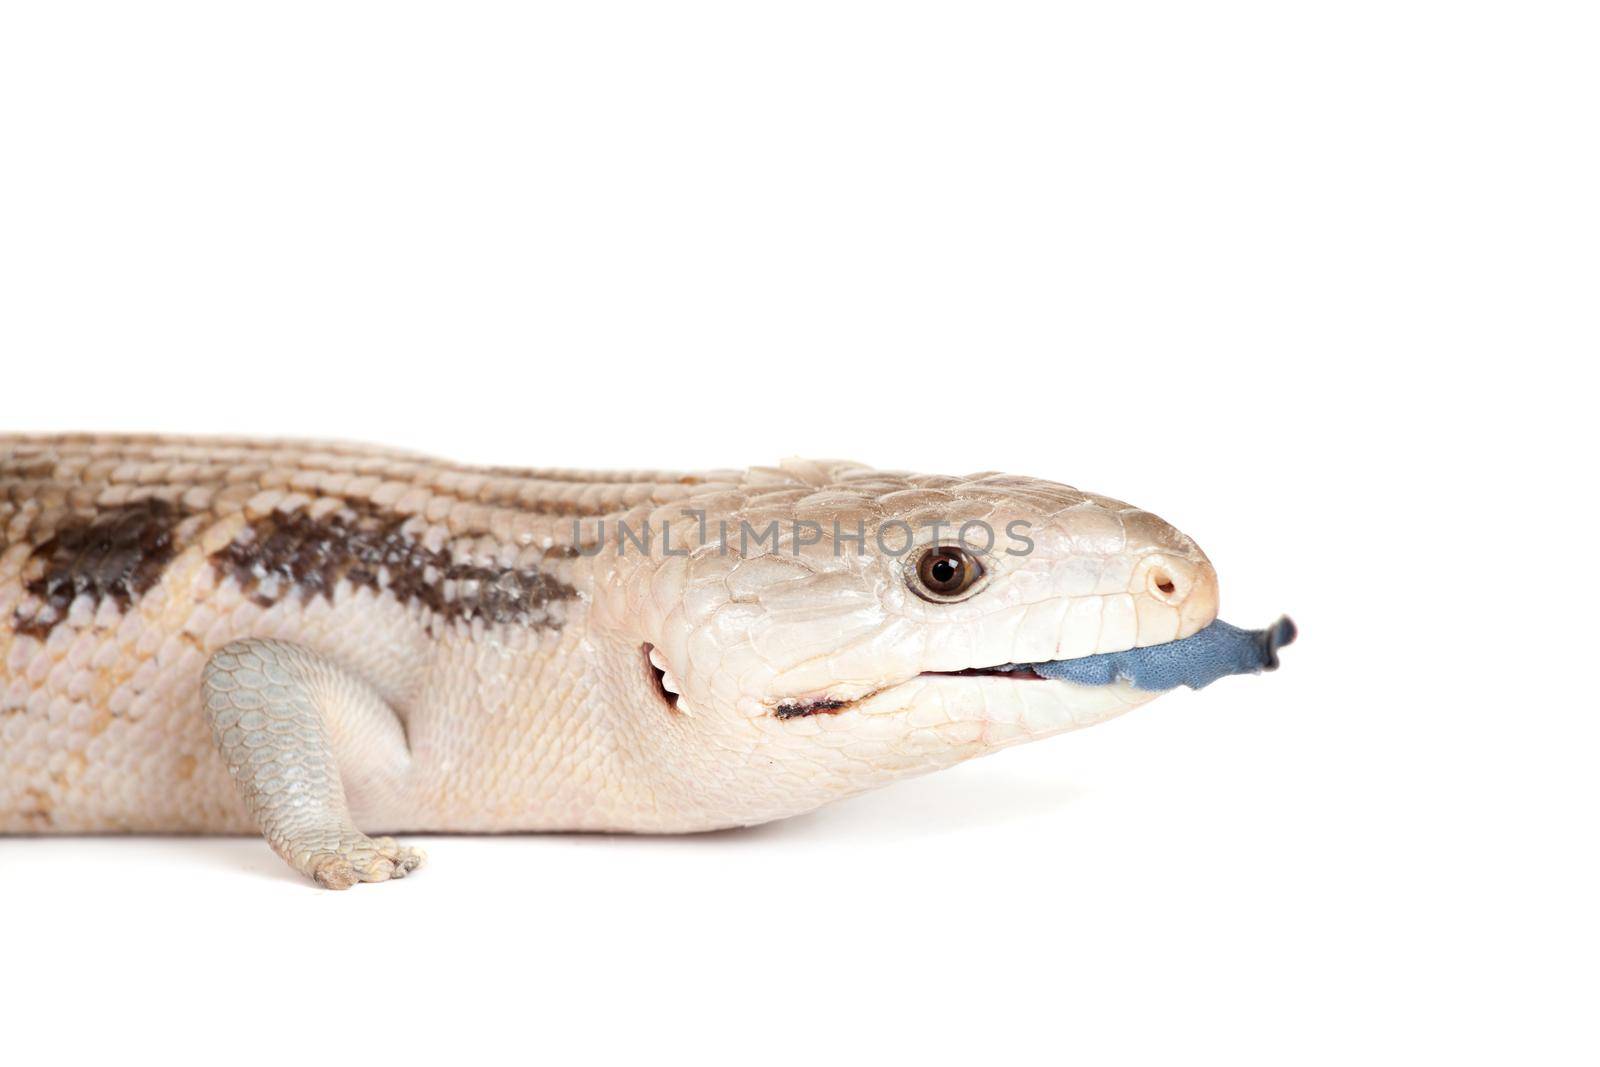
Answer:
[(1187, 585)]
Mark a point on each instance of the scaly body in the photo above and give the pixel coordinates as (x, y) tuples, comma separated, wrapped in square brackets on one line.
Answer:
[(479, 650)]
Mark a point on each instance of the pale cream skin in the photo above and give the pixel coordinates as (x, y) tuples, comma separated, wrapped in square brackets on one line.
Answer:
[(467, 724)]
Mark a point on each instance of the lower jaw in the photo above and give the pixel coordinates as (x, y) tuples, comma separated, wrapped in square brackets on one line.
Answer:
[(1097, 701), (1012, 709)]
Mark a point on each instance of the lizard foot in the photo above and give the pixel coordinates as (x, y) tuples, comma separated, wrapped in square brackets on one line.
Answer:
[(370, 859)]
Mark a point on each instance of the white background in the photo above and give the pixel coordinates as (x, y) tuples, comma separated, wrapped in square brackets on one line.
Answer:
[(1314, 281)]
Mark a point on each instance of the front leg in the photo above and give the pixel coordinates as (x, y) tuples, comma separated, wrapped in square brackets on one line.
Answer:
[(279, 714)]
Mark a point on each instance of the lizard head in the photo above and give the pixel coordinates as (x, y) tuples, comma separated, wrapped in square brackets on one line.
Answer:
[(817, 629)]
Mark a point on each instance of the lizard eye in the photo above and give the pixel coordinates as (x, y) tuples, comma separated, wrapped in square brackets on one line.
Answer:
[(945, 572)]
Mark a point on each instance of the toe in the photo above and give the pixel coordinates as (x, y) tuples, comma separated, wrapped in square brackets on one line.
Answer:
[(408, 860), (333, 871), (379, 869)]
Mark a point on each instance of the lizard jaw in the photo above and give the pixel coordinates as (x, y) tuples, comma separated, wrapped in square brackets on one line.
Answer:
[(1214, 652)]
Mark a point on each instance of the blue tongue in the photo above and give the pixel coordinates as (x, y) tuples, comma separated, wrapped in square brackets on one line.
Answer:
[(1197, 660)]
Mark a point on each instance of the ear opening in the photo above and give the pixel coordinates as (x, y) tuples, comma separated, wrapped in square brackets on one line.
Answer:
[(655, 667)]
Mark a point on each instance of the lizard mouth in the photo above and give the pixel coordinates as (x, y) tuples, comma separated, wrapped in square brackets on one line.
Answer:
[(1022, 673), (798, 709), (1217, 651)]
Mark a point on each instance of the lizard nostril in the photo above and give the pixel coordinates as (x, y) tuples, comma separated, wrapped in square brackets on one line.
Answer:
[(1167, 584)]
